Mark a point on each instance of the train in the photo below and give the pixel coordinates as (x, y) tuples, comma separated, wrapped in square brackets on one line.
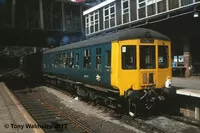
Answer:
[(130, 68)]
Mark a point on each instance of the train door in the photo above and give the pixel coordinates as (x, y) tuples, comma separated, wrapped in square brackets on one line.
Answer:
[(77, 64), (163, 62), (107, 65)]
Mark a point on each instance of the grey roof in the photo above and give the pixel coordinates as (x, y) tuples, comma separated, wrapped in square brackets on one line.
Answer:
[(127, 34)]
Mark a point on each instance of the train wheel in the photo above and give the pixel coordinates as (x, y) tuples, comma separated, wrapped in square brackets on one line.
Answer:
[(132, 108)]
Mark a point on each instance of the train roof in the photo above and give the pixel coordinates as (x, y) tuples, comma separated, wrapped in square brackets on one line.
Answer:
[(118, 36)]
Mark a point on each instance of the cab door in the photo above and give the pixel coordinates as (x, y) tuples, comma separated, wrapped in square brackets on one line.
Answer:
[(107, 64), (163, 62)]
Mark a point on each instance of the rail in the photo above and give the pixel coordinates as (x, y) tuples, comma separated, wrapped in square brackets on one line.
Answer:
[(48, 116)]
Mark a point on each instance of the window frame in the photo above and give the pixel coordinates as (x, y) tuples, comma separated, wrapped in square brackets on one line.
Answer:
[(125, 11), (53, 60), (123, 60), (77, 60), (92, 22), (98, 55), (87, 55), (87, 25), (147, 58), (111, 15), (166, 57)]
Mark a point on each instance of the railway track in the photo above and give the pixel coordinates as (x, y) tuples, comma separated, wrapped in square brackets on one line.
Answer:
[(44, 112), (184, 120), (141, 123), (48, 116), (136, 122)]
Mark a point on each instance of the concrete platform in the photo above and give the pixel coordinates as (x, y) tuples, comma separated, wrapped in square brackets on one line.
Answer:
[(187, 86), (189, 92), (13, 117)]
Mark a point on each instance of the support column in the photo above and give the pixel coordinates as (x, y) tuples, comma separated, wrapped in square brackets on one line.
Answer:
[(81, 17), (63, 15), (13, 13), (26, 10), (41, 24), (187, 60), (51, 18), (41, 15), (197, 113)]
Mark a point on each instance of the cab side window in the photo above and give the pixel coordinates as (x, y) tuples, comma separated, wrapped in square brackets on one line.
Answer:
[(128, 57), (163, 57)]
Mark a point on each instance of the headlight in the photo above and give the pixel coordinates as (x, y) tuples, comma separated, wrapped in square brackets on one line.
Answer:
[(168, 83)]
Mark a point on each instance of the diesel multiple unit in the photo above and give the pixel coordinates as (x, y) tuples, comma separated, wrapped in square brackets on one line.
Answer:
[(129, 68)]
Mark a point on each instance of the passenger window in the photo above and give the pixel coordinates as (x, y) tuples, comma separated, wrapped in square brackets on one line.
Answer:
[(68, 60), (65, 60), (98, 59), (52, 58), (128, 57), (162, 56), (77, 60), (71, 60), (62, 59), (59, 60), (87, 59), (56, 60)]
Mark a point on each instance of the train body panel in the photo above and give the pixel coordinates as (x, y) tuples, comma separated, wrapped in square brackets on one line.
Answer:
[(123, 79), (123, 64), (113, 68), (90, 72), (130, 72)]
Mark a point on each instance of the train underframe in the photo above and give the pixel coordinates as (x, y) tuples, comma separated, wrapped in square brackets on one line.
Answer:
[(146, 100), (133, 102)]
